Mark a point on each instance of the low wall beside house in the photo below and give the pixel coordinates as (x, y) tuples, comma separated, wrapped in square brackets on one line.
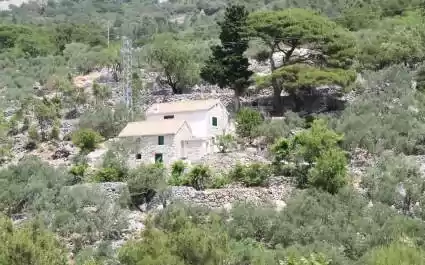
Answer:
[(276, 192)]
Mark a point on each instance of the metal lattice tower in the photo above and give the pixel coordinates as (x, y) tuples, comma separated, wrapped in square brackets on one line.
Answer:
[(127, 64)]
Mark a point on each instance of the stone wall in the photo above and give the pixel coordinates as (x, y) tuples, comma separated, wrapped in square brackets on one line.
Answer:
[(276, 192)]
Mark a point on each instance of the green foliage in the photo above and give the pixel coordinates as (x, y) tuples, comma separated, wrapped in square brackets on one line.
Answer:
[(272, 130), (108, 174), (227, 67), (33, 136), (199, 177), (5, 144), (296, 28), (145, 181), (78, 171), (225, 142), (178, 176), (25, 41), (30, 185), (175, 59), (54, 133), (86, 139), (320, 222), (29, 244), (85, 214), (46, 112), (312, 260), (315, 156), (106, 121), (101, 93), (388, 115), (420, 78), (392, 41), (181, 242), (395, 180), (304, 77), (396, 253), (329, 172), (247, 120), (219, 181), (255, 174)]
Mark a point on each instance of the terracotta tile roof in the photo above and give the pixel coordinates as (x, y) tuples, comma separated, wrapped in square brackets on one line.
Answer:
[(146, 128), (182, 106)]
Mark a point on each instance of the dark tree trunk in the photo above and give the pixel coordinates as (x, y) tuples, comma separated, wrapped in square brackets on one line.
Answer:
[(237, 100)]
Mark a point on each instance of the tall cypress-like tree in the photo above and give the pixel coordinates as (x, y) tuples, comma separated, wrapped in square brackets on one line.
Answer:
[(227, 67)]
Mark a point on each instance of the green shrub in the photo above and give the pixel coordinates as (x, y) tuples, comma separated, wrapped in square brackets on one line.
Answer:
[(108, 174), (29, 244), (247, 120), (54, 134), (145, 181), (225, 142), (275, 129), (78, 171), (219, 181), (330, 171), (33, 134), (178, 168), (389, 115), (313, 157), (199, 177), (255, 174), (389, 176), (86, 139)]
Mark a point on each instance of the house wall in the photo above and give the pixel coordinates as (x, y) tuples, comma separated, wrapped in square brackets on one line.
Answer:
[(220, 112), (196, 120), (184, 133), (147, 146), (194, 150), (200, 122)]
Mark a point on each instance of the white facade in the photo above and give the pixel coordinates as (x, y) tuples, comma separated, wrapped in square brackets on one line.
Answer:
[(200, 121), (147, 147)]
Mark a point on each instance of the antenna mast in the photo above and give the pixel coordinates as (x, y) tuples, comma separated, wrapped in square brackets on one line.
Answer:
[(127, 64)]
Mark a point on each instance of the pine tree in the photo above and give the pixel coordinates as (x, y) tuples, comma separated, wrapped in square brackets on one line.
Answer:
[(227, 67)]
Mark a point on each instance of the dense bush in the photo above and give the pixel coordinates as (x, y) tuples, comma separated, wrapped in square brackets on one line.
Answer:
[(275, 129), (314, 221), (30, 185), (146, 181), (199, 177), (255, 174), (313, 157), (86, 140), (388, 115), (31, 243), (395, 181), (247, 120), (106, 121)]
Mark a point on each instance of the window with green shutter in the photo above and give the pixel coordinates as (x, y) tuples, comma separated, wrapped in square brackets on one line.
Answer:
[(214, 121), (160, 140)]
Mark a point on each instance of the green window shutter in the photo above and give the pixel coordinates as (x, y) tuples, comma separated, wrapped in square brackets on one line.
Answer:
[(214, 121), (160, 140)]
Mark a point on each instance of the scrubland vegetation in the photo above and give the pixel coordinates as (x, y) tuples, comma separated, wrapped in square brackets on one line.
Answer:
[(373, 51)]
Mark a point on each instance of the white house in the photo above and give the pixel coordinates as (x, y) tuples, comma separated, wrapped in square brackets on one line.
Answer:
[(177, 130), (206, 118)]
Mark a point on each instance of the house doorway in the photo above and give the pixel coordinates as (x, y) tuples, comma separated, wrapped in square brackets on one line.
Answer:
[(159, 158)]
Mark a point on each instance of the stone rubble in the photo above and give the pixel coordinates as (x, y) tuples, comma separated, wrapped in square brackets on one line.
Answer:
[(278, 191)]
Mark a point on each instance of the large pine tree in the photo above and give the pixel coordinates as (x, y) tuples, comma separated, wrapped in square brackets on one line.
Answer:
[(227, 67)]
